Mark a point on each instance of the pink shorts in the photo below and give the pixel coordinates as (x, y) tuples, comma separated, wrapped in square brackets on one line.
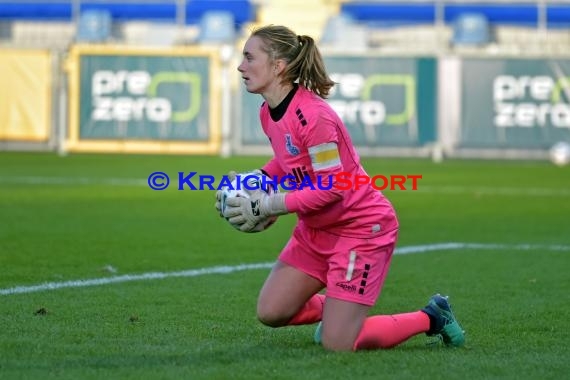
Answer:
[(353, 269)]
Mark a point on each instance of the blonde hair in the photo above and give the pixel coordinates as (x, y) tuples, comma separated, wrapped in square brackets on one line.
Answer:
[(304, 61)]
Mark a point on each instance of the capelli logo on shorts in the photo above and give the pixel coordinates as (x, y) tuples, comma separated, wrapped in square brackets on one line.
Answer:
[(346, 287)]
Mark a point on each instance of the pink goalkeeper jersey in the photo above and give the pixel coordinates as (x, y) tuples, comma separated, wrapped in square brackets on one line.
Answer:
[(310, 139)]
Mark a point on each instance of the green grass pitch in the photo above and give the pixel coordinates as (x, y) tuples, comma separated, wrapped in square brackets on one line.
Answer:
[(92, 217)]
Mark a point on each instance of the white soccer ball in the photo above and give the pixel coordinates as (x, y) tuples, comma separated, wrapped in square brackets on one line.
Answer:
[(560, 153), (242, 186)]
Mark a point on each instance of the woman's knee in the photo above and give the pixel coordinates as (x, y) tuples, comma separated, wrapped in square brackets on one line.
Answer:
[(339, 341), (271, 315)]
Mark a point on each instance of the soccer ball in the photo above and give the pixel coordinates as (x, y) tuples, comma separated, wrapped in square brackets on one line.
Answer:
[(242, 186), (560, 153)]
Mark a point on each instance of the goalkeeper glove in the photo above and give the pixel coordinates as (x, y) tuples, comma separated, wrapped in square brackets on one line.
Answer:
[(231, 176), (247, 213)]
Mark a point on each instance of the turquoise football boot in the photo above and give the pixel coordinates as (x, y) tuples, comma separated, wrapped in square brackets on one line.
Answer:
[(443, 322)]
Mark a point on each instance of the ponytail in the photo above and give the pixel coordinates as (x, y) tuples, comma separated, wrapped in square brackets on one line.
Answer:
[(304, 60)]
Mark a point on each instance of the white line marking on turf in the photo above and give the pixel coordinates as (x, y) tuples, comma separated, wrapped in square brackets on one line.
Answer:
[(243, 267), (443, 189), (509, 191), (133, 277), (74, 181), (452, 246)]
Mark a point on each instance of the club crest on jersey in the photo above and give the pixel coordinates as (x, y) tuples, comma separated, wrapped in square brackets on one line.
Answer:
[(292, 149)]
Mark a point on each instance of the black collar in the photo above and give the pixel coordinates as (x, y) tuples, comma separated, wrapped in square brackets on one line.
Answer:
[(278, 112)]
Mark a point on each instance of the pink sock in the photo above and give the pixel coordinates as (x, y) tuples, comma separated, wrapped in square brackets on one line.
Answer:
[(311, 312), (386, 331)]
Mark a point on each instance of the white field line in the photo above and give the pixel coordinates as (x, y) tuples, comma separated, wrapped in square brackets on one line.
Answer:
[(74, 181), (243, 267), (142, 182), (509, 191)]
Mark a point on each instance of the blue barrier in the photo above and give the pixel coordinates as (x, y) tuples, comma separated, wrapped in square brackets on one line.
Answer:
[(558, 15), (390, 13), (134, 11), (14, 10), (522, 14), (508, 14), (242, 10)]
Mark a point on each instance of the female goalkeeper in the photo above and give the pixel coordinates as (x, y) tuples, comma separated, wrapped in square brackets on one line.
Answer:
[(344, 239)]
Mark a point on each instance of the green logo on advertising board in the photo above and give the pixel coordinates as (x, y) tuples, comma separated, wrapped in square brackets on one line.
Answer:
[(528, 101), (133, 95), (145, 97), (516, 103), (192, 80), (409, 84), (360, 105)]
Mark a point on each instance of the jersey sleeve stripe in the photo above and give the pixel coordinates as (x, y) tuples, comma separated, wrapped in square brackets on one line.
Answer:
[(324, 156)]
